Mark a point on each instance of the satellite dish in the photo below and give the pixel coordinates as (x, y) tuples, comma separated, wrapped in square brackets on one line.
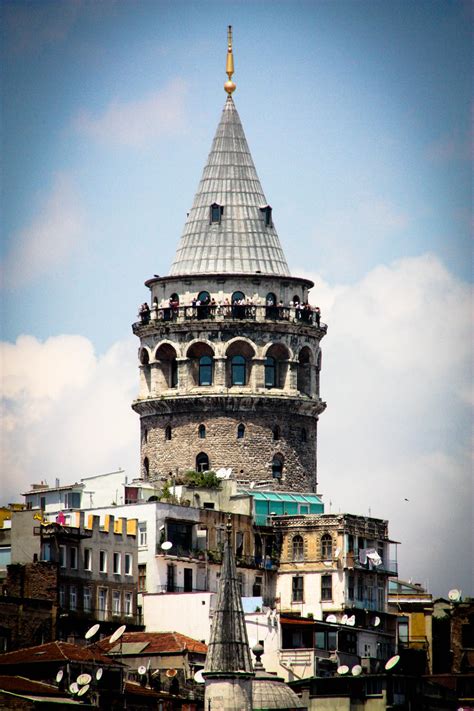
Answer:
[(331, 618), (198, 677), (392, 662), (92, 631), (166, 545), (117, 634), (337, 552), (356, 670), (84, 679), (73, 688), (343, 669), (376, 621), (141, 670), (344, 619), (98, 674), (454, 595), (252, 484), (170, 673), (59, 675), (83, 690), (351, 621)]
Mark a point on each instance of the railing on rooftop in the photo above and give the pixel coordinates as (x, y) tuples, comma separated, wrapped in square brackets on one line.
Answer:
[(235, 312)]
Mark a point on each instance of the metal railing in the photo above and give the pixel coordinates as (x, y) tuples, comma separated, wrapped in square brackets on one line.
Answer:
[(232, 312)]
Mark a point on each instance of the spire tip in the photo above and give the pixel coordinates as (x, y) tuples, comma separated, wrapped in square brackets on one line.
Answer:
[(229, 85)]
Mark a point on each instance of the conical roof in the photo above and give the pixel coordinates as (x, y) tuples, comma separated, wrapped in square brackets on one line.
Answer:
[(228, 649), (241, 241)]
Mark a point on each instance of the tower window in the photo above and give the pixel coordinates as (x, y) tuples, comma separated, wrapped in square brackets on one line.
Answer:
[(240, 431), (303, 435), (277, 466), (146, 467), (202, 431), (238, 370), (237, 296), (202, 462), (168, 432), (204, 297), (267, 215), (174, 373), (205, 370), (276, 432), (216, 212), (270, 372)]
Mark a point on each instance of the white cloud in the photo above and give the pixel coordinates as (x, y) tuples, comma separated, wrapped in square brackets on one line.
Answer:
[(396, 377), (51, 238), (67, 411), (138, 123)]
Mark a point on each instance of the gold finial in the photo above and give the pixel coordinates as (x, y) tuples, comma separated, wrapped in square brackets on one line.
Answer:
[(229, 86)]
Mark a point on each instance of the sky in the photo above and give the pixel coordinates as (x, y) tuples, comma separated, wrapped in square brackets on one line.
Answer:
[(357, 117)]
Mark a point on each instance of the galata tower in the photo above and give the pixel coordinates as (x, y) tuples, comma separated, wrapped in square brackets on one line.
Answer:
[(229, 350)]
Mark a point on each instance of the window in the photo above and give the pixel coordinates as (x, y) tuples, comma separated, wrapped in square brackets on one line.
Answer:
[(276, 433), (298, 548), (128, 604), (202, 462), (297, 588), (168, 432), (42, 503), (360, 588), (303, 435), (142, 577), (326, 547), (296, 299), (241, 584), (46, 552), (270, 372), (350, 587), (73, 557), (87, 558), (239, 544), (257, 586), (202, 431), (174, 373), (102, 562), (146, 468), (116, 602), (237, 296), (72, 597), (402, 625), (267, 215), (326, 587), (87, 600), (62, 596), (271, 299), (204, 298), (240, 431), (238, 370), (142, 538), (277, 467), (128, 564), (102, 600), (216, 213), (205, 370), (116, 563), (72, 500), (170, 577), (62, 556)]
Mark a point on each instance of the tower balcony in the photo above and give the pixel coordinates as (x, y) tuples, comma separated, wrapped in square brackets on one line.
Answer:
[(305, 316)]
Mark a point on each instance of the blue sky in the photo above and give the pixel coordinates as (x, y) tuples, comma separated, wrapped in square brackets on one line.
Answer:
[(357, 116)]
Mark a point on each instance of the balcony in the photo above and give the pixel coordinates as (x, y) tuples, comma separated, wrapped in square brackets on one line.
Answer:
[(170, 588), (387, 567), (235, 312)]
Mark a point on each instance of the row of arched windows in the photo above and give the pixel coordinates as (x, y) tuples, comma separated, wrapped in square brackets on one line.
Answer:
[(203, 465), (276, 432), (204, 299), (298, 547)]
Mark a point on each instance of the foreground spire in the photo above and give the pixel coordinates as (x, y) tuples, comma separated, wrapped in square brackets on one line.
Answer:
[(230, 226), (228, 649)]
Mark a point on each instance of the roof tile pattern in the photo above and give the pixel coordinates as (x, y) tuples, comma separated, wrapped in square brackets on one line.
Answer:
[(241, 242), (157, 642), (54, 652), (228, 649)]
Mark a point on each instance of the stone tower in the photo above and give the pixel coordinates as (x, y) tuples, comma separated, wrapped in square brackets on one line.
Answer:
[(229, 350)]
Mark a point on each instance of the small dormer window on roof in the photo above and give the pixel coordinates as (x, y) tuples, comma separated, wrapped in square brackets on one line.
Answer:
[(216, 212), (266, 211)]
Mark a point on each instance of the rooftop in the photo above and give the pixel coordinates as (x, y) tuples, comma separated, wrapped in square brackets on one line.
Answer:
[(54, 652), (153, 643)]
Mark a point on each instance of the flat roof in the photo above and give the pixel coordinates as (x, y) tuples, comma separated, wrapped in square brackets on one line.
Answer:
[(284, 497)]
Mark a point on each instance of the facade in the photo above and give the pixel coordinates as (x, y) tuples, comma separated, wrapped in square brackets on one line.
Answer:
[(229, 351)]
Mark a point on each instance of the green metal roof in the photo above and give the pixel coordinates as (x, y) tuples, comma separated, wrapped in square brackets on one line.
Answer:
[(284, 497)]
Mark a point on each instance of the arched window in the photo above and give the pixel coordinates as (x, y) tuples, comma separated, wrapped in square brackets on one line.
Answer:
[(267, 215), (296, 299), (303, 435), (202, 462), (271, 299), (204, 297), (240, 431), (326, 546), (174, 299), (216, 212), (270, 372), (174, 373), (168, 432), (144, 357), (298, 548), (276, 432), (146, 468), (167, 375), (303, 378), (238, 370), (277, 466), (205, 370), (202, 431), (237, 296), (271, 308)]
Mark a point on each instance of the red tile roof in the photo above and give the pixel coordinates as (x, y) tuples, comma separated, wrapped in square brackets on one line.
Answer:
[(19, 684), (158, 642), (55, 652)]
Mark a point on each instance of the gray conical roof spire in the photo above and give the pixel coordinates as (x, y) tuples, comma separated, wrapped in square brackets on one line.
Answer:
[(243, 239), (228, 649)]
